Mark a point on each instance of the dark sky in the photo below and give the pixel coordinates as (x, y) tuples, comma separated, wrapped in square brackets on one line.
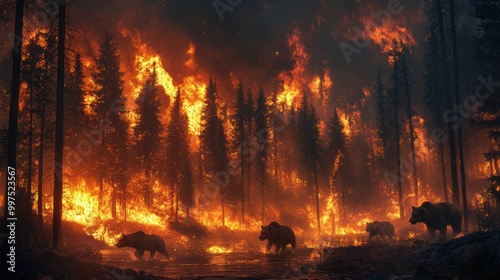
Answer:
[(245, 43)]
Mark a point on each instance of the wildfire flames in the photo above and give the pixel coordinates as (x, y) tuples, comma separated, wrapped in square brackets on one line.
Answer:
[(85, 204)]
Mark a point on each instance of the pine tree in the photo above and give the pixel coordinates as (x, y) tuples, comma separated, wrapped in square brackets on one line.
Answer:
[(338, 154), (214, 143), (111, 154), (177, 160), (433, 88), (409, 110), (488, 114), (239, 135), (249, 127), (310, 148), (262, 132), (76, 120), (59, 139), (147, 132)]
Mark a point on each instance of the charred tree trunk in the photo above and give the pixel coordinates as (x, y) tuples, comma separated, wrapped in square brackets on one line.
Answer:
[(113, 203), (242, 182), (13, 111), (222, 207), (451, 133), (263, 197), (398, 148), (342, 194), (409, 110), (40, 167), (443, 171), (318, 217), (457, 102), (58, 170)]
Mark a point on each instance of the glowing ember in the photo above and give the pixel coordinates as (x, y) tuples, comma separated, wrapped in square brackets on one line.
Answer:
[(219, 250)]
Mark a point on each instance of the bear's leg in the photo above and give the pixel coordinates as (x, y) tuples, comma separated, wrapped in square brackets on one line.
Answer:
[(139, 253), (152, 254), (164, 252), (432, 232), (277, 249), (442, 234), (268, 246)]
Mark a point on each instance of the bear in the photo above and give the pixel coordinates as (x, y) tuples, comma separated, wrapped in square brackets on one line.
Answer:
[(437, 217), (277, 235), (382, 229), (143, 242)]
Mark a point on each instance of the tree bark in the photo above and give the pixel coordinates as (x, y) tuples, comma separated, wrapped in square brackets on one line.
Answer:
[(58, 166), (409, 110), (398, 149), (40, 168), (451, 133), (457, 102)]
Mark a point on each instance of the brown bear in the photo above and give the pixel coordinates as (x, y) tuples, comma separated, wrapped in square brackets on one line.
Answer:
[(277, 235), (382, 229), (143, 242), (437, 217)]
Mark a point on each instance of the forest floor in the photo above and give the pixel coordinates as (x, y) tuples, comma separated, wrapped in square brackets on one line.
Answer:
[(473, 256)]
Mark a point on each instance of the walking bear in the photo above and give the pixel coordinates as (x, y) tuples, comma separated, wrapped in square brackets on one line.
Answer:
[(143, 242), (277, 235), (383, 229), (437, 217)]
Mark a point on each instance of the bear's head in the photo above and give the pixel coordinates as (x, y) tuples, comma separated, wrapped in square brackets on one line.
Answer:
[(266, 232), (417, 215), (370, 227), (123, 242)]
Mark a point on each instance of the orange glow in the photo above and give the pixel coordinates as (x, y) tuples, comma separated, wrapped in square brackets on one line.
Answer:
[(219, 250), (320, 90), (193, 90), (293, 80)]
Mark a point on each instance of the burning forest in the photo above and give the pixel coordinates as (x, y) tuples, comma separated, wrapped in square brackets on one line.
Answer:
[(195, 128)]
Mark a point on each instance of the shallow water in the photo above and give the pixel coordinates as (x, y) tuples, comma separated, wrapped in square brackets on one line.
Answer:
[(255, 264)]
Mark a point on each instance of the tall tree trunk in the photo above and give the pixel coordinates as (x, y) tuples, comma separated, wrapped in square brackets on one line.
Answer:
[(398, 148), (14, 103), (457, 102), (342, 194), (318, 217), (263, 196), (242, 182), (222, 207), (443, 171), (40, 167), (29, 206), (451, 133), (409, 110), (58, 170)]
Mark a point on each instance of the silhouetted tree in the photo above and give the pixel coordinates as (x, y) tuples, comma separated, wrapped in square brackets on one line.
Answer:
[(177, 160), (262, 132), (59, 145), (310, 148), (433, 87), (147, 132), (338, 154), (214, 143), (488, 114), (110, 155), (249, 126), (239, 135), (446, 81)]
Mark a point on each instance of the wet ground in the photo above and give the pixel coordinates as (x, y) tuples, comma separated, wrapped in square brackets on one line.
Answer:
[(199, 265)]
